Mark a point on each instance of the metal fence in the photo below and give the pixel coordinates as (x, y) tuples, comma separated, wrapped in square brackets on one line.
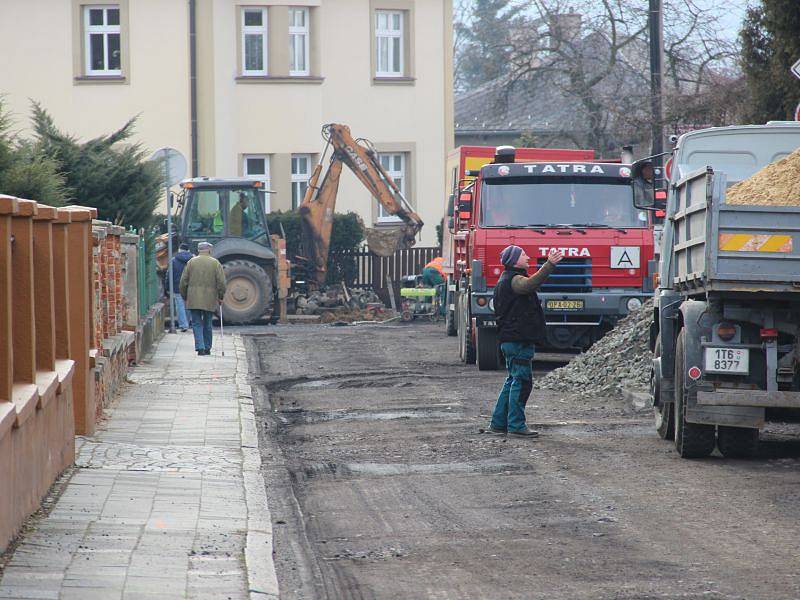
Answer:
[(149, 288), (368, 270)]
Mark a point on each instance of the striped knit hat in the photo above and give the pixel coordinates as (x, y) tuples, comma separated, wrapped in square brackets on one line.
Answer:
[(510, 255)]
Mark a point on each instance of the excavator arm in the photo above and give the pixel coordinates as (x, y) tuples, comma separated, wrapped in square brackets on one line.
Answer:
[(319, 203)]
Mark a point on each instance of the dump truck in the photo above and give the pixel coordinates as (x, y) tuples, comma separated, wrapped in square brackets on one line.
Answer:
[(726, 323), (582, 207)]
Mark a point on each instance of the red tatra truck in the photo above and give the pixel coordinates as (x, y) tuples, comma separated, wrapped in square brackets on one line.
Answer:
[(566, 200)]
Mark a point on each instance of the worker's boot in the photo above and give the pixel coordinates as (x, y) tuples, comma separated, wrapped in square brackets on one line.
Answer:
[(526, 433)]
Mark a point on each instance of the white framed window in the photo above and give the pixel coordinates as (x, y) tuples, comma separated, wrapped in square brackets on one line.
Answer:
[(389, 43), (102, 40), (256, 166), (298, 41), (254, 41), (395, 165), (301, 171)]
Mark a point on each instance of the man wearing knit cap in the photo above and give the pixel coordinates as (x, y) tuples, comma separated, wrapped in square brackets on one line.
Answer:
[(203, 287), (520, 324)]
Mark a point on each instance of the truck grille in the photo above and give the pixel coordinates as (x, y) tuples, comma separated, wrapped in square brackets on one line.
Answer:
[(572, 276)]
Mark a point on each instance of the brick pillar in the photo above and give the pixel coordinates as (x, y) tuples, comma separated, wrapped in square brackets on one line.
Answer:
[(8, 207), (61, 283), (23, 328), (44, 309), (79, 257)]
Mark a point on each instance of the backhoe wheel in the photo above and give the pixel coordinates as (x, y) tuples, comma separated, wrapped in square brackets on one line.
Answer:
[(691, 439), (450, 323), (665, 423), (737, 442), (249, 292), (466, 347), (486, 349)]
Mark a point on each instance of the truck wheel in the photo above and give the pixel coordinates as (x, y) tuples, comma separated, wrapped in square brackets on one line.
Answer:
[(737, 442), (486, 342), (691, 439), (466, 348), (665, 423), (249, 292), (450, 315)]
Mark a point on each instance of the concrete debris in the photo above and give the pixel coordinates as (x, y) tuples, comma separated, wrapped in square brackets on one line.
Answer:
[(620, 360), (337, 298)]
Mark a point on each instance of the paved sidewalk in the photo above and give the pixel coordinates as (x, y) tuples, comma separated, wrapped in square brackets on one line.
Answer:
[(168, 500)]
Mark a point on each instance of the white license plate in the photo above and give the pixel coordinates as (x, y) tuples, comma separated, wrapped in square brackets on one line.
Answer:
[(728, 360)]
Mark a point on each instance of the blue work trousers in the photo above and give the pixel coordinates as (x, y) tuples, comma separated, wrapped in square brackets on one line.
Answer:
[(180, 311), (509, 412), (201, 327)]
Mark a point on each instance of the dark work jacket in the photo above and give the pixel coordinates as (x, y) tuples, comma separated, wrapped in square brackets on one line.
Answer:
[(178, 265), (520, 318)]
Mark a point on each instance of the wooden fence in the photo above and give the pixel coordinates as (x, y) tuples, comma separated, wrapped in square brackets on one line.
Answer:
[(368, 270)]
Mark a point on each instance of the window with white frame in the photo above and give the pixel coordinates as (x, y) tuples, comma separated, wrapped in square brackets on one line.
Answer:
[(102, 40), (298, 41), (256, 166), (254, 41), (301, 171), (395, 165), (388, 43)]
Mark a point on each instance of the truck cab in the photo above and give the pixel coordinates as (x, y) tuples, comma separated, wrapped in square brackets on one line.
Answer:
[(583, 208)]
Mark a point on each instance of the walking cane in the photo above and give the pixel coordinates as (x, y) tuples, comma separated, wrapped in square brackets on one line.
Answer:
[(221, 332)]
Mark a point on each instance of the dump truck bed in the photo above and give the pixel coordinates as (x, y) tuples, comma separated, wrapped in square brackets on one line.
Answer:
[(719, 247)]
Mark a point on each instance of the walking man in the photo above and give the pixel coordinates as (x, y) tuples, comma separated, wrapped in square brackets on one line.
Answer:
[(520, 323), (203, 286), (178, 265)]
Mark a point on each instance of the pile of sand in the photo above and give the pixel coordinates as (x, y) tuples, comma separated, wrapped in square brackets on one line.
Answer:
[(776, 184)]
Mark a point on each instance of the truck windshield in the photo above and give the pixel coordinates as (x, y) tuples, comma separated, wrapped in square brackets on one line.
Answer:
[(525, 201)]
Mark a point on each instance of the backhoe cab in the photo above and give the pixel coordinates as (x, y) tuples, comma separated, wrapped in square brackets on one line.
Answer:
[(229, 213)]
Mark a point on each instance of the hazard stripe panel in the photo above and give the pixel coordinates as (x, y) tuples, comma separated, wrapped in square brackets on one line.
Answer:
[(748, 242)]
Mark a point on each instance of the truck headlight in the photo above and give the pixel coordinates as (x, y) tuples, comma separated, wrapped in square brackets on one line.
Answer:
[(633, 304), (491, 304)]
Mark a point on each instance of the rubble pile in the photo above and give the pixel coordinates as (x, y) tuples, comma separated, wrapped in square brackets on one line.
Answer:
[(776, 184), (620, 360), (336, 298)]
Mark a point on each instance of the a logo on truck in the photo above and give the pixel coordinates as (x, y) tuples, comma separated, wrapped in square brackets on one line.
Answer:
[(625, 257), (565, 168), (575, 252)]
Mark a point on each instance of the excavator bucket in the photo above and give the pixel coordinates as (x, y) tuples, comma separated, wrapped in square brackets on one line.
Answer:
[(385, 241)]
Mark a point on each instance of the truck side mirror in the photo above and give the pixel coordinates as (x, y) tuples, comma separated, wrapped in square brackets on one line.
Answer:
[(465, 205), (643, 182), (451, 201)]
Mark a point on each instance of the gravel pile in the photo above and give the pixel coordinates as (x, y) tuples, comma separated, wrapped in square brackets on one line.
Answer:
[(621, 359), (776, 184)]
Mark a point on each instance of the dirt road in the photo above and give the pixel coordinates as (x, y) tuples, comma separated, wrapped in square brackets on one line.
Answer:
[(381, 486)]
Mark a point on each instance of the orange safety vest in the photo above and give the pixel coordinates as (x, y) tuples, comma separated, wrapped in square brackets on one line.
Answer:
[(436, 263)]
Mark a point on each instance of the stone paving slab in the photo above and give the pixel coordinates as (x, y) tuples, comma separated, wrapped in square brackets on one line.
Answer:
[(168, 499)]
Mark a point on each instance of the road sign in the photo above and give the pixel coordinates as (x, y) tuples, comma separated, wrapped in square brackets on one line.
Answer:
[(174, 164), (795, 69)]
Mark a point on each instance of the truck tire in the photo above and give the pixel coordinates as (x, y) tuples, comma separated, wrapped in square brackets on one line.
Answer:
[(450, 323), (692, 440), (249, 292), (466, 348), (486, 349), (662, 410), (737, 442)]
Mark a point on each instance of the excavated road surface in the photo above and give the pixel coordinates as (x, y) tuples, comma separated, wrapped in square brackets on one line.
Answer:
[(380, 485)]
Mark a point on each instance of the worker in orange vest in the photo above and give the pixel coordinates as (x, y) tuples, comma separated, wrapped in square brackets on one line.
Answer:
[(433, 276)]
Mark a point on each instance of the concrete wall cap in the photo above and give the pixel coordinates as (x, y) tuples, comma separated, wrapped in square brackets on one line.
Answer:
[(117, 230), (27, 208), (129, 238), (101, 223), (79, 214), (8, 205), (64, 216), (45, 213), (92, 210)]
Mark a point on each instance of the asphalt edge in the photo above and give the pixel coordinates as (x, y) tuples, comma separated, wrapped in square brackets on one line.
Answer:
[(258, 552)]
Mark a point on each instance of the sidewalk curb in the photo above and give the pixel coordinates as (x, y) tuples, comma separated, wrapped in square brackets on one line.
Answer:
[(258, 552)]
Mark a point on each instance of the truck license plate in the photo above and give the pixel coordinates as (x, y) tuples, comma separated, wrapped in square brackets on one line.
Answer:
[(564, 305), (728, 360)]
